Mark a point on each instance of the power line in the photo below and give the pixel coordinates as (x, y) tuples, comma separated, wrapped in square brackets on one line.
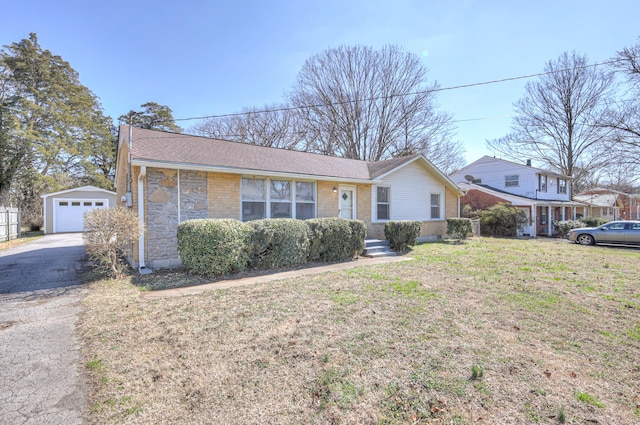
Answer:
[(437, 89)]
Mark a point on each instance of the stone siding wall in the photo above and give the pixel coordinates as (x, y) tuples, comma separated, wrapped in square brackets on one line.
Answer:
[(163, 214), (193, 195)]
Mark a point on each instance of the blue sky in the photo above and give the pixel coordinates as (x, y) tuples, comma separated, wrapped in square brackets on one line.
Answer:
[(215, 57)]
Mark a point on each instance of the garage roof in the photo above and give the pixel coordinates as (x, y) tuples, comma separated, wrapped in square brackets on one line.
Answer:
[(79, 189)]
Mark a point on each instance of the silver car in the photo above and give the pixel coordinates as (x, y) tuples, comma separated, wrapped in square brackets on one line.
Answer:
[(614, 232)]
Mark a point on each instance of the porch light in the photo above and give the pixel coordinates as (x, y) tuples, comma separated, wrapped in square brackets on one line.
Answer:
[(335, 190)]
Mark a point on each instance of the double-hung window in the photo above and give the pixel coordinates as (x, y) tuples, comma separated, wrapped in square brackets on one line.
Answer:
[(280, 198), (542, 186), (562, 186), (254, 199), (305, 200), (383, 212), (511, 181), (435, 206)]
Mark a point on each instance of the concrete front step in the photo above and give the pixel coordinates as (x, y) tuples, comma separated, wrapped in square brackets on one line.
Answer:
[(377, 248), (375, 242)]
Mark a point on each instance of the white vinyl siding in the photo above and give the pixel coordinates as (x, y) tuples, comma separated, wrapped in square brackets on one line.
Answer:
[(410, 190), (492, 172)]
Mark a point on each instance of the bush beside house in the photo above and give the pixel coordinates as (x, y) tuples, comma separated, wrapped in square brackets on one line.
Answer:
[(402, 234), (109, 234), (459, 228), (274, 243), (216, 247), (502, 220)]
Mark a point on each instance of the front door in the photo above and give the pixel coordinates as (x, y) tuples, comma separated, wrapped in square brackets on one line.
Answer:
[(347, 204)]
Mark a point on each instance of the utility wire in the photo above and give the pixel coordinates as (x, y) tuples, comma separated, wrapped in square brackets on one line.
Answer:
[(437, 89)]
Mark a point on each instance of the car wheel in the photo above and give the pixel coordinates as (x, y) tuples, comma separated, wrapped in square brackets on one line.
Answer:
[(585, 239)]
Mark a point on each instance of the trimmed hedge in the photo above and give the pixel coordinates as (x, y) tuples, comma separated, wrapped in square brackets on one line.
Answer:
[(282, 242), (402, 234), (222, 246), (213, 247), (358, 235), (459, 228), (335, 239)]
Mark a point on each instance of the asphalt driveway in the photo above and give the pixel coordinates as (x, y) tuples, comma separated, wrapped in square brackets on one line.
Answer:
[(40, 292)]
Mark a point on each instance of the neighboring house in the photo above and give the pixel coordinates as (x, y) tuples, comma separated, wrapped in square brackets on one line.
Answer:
[(169, 178), (610, 204), (544, 196), (64, 211)]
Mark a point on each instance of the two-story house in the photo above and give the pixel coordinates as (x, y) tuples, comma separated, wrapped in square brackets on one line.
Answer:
[(544, 196)]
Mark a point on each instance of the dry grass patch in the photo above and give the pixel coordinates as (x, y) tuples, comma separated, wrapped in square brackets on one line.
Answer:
[(491, 331), (25, 237)]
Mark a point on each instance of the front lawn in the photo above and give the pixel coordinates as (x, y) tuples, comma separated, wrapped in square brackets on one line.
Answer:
[(491, 331)]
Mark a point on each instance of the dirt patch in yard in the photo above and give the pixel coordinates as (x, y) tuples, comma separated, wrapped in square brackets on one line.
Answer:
[(491, 331)]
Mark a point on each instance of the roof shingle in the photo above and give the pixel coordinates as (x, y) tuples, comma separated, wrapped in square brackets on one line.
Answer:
[(165, 147)]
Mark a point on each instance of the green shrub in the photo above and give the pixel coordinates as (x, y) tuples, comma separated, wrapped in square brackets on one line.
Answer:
[(402, 234), (213, 246), (593, 221), (331, 239), (459, 228), (563, 227), (282, 242), (502, 220), (358, 235)]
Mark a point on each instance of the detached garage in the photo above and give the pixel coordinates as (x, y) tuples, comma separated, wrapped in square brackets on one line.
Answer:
[(64, 211)]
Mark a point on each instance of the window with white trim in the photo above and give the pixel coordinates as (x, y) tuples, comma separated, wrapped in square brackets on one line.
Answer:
[(542, 185), (435, 206), (562, 186), (280, 198), (305, 200), (284, 197), (512, 181), (254, 200), (383, 207)]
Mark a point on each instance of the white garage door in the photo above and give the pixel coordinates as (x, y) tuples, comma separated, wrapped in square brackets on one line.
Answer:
[(69, 213)]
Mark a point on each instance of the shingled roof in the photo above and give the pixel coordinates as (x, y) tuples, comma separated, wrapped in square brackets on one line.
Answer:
[(153, 147)]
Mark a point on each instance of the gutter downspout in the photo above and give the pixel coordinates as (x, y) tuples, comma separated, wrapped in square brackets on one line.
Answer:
[(142, 269)]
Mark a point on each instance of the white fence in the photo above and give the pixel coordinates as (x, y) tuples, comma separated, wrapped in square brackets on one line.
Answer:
[(9, 223)]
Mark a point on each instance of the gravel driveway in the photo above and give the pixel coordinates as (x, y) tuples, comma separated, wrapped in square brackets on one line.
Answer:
[(40, 292)]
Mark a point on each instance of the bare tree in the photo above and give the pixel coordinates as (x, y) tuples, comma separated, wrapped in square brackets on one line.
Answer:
[(272, 125), (361, 103), (624, 116), (556, 121)]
